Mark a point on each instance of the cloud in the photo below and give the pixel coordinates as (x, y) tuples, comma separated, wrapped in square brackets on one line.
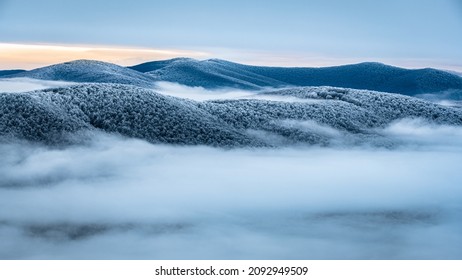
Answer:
[(423, 133), (200, 93), (27, 84), (123, 198), (203, 94)]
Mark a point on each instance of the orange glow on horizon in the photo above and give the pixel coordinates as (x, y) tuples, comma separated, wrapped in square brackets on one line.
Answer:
[(30, 56)]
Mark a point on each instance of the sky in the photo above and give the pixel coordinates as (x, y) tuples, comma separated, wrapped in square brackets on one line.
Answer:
[(409, 33)]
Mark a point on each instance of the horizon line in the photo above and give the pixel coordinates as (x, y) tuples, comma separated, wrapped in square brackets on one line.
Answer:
[(20, 56)]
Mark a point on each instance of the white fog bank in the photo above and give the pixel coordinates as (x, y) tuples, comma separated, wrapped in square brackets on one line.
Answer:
[(127, 199), (203, 94), (28, 84)]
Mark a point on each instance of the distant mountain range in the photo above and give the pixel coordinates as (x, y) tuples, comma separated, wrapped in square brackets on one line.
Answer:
[(10, 72), (215, 73)]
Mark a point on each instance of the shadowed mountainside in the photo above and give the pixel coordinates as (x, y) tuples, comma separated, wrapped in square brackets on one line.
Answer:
[(214, 73), (10, 72)]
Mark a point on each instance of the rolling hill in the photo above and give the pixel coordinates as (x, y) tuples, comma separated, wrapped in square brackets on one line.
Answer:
[(88, 71), (324, 115), (215, 73), (208, 74)]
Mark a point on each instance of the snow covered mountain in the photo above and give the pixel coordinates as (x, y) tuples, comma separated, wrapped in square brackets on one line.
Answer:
[(88, 71), (215, 73), (212, 73), (52, 115), (371, 76), (154, 65), (322, 116)]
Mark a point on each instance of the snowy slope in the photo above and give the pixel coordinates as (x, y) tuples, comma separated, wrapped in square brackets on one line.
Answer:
[(329, 115), (455, 73), (355, 116), (89, 71), (215, 73), (384, 107), (51, 115)]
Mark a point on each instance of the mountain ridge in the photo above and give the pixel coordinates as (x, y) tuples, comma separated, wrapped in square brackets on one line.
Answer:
[(218, 73), (88, 71), (10, 72), (53, 116), (366, 75)]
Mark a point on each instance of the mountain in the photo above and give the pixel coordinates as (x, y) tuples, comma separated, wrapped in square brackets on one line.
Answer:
[(212, 73), (154, 65), (321, 116), (455, 73), (371, 76), (10, 72), (53, 115), (89, 71), (215, 73)]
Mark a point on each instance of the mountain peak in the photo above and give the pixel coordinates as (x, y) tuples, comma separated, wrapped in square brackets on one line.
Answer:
[(88, 71), (86, 62)]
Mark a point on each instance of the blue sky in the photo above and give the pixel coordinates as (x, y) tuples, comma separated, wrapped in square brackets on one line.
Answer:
[(411, 33)]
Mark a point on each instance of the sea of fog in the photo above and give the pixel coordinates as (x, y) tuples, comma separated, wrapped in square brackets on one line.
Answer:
[(118, 198)]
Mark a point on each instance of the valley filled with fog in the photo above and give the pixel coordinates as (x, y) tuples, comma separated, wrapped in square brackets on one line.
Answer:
[(121, 198), (164, 170)]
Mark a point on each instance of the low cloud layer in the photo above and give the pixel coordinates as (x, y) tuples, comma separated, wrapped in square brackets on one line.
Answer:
[(27, 84), (124, 198), (202, 94), (418, 132)]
